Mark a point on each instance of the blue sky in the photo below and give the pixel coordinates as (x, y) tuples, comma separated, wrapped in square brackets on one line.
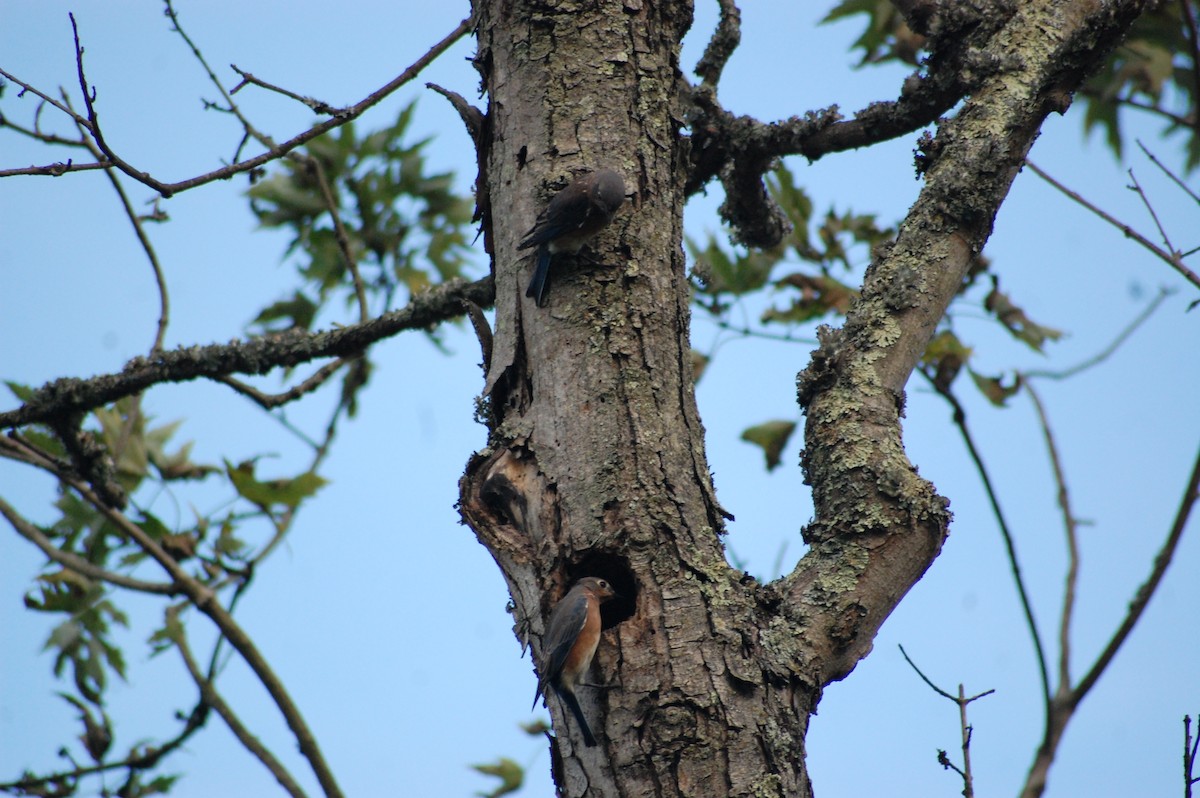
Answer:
[(382, 614)]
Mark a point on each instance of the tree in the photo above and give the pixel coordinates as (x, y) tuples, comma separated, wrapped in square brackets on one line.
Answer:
[(595, 459)]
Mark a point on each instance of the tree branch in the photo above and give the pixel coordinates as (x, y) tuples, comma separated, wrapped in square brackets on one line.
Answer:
[(251, 743), (71, 395), (1174, 259), (1108, 351), (877, 524), (724, 41), (1144, 593), (340, 117), (74, 562), (1071, 528), (271, 401), (960, 421)]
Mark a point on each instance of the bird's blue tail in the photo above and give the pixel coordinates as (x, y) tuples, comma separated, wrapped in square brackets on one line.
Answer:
[(573, 703), (541, 276)]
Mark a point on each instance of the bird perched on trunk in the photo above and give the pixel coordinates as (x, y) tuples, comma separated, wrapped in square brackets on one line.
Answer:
[(572, 637), (576, 213)]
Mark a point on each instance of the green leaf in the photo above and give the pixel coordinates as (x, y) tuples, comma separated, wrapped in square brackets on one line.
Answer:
[(1016, 321), (286, 492), (171, 632), (994, 388), (23, 392), (299, 311), (511, 777), (944, 357), (772, 436), (817, 296), (886, 36)]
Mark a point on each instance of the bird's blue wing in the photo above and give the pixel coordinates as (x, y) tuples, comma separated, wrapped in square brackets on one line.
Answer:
[(567, 212), (566, 622)]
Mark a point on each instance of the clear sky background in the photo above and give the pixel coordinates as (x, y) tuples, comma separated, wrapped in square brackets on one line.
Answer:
[(386, 619)]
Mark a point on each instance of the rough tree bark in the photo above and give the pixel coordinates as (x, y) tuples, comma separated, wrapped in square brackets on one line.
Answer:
[(596, 463)]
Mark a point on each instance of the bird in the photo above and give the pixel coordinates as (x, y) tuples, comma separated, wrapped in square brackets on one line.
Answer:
[(572, 637), (574, 215)]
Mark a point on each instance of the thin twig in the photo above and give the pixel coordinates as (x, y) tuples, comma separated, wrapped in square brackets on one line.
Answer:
[(271, 401), (317, 106), (965, 727), (56, 169), (1144, 593), (232, 107), (961, 700), (960, 421), (1071, 529), (38, 135), (251, 743), (164, 302), (145, 759), (1174, 177), (26, 87), (1141, 105), (340, 117), (339, 232), (1189, 757), (1137, 187), (1175, 261), (73, 562), (1110, 350), (939, 690)]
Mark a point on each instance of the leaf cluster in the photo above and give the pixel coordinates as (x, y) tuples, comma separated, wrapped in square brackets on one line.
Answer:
[(404, 228)]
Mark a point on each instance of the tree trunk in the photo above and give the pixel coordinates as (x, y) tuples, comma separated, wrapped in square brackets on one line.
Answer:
[(596, 465)]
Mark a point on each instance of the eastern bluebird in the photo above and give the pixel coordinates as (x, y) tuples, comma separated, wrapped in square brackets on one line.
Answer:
[(576, 213), (570, 643)]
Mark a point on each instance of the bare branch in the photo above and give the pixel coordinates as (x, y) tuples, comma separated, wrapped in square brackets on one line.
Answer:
[(939, 690), (960, 420), (724, 41), (271, 401), (74, 562), (231, 106), (56, 169), (1111, 349), (340, 117), (251, 743), (1174, 177), (961, 700), (1144, 593), (46, 99), (1189, 757), (1137, 187), (1175, 260), (248, 79), (483, 332), (471, 116), (69, 395), (1071, 528), (164, 302)]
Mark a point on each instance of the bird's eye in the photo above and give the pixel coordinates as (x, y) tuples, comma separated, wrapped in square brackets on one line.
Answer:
[(603, 583)]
